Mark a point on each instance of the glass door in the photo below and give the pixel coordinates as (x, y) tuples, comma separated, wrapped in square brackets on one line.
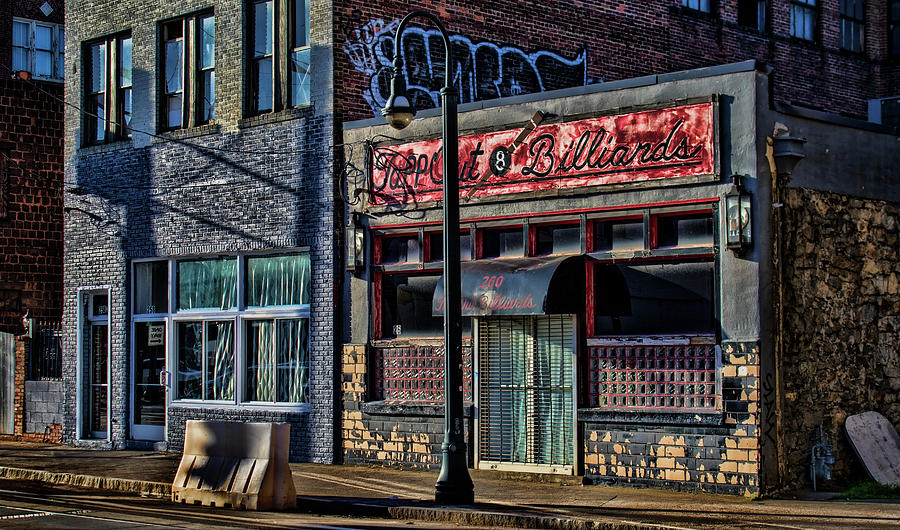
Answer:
[(149, 381), (95, 402)]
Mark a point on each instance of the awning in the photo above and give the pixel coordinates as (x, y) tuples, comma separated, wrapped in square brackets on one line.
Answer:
[(522, 286)]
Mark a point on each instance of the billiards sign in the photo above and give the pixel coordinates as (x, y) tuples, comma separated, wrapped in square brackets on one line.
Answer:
[(672, 145)]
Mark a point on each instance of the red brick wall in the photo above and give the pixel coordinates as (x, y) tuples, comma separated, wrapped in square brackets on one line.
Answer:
[(642, 37), (31, 232)]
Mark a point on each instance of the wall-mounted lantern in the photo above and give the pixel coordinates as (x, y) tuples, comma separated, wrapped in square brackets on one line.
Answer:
[(787, 152), (356, 249), (739, 226)]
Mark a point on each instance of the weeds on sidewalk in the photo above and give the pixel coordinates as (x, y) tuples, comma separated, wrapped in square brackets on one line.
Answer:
[(870, 490)]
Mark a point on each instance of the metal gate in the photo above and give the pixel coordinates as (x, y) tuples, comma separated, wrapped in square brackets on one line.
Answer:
[(7, 382), (526, 411)]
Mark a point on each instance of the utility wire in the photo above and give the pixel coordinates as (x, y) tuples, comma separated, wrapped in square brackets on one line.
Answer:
[(169, 138)]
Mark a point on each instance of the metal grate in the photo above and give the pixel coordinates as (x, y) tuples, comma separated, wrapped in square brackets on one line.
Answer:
[(45, 355), (526, 399), (665, 377), (416, 373)]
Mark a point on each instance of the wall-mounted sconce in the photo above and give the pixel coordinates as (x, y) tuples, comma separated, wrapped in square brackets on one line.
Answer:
[(356, 249), (739, 226)]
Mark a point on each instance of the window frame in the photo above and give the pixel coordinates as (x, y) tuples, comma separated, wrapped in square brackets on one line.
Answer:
[(810, 11), (192, 87), (893, 29), (700, 6), (856, 37), (284, 37), (760, 7), (113, 92), (238, 316), (57, 49)]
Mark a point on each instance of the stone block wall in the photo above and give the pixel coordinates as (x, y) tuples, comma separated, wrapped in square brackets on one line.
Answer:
[(841, 322), (44, 410), (720, 454)]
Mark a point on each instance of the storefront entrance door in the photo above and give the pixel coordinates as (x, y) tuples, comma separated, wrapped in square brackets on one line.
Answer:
[(526, 393), (149, 391)]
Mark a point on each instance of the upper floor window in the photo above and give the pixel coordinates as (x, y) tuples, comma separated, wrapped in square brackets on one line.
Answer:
[(699, 5), (188, 87), (894, 27), (107, 89), (803, 19), (279, 55), (752, 14), (39, 48), (852, 25)]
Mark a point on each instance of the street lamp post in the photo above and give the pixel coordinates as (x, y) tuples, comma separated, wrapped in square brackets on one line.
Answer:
[(454, 486)]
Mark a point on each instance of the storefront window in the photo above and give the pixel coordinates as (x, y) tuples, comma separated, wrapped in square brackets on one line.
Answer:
[(436, 246), (207, 284), (205, 360), (688, 230), (278, 360), (557, 239), (502, 243), (669, 298), (278, 280), (406, 302), (400, 249), (622, 234)]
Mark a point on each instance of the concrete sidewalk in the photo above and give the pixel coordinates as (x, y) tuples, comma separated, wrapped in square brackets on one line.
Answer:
[(502, 499)]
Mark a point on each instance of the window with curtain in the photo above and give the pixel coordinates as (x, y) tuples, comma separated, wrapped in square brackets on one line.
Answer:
[(207, 283), (278, 280), (277, 360), (228, 350)]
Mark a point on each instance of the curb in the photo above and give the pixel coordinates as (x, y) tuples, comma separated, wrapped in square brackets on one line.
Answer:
[(450, 515), (144, 487), (461, 516)]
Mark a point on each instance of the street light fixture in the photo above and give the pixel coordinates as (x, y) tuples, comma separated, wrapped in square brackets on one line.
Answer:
[(454, 486)]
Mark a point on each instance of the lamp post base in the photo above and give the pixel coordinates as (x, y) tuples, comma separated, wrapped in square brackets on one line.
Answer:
[(454, 486)]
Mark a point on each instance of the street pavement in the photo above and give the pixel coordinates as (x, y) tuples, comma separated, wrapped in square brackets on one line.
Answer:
[(501, 499)]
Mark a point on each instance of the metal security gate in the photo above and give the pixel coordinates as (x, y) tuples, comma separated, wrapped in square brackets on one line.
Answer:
[(526, 400)]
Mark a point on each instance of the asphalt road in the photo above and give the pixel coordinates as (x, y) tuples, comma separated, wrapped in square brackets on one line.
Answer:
[(24, 505)]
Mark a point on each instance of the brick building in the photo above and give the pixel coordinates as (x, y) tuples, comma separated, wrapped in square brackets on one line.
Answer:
[(31, 215), (206, 189), (200, 243), (688, 363)]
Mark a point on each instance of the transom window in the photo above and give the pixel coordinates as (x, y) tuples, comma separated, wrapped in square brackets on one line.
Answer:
[(39, 48), (241, 325)]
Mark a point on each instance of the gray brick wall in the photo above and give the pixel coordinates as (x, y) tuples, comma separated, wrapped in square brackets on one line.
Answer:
[(237, 185)]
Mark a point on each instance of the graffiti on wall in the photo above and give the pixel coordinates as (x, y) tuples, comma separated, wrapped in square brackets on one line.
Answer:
[(481, 71)]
